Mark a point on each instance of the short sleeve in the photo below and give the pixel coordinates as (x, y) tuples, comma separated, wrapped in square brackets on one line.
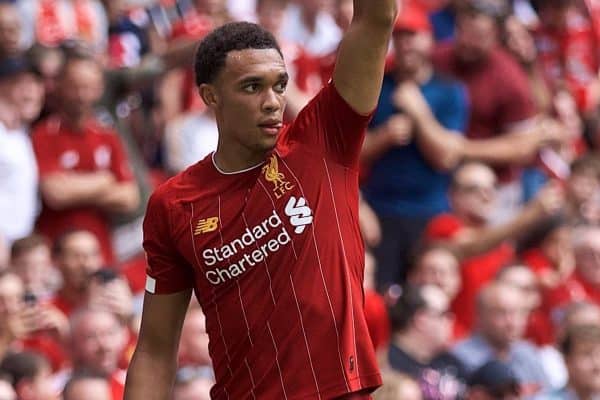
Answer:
[(119, 164), (329, 124), (444, 226), (167, 271)]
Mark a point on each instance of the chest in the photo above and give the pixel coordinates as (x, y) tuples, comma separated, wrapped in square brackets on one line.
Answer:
[(83, 153)]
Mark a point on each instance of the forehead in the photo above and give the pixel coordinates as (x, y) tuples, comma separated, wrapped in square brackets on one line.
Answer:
[(240, 64), (475, 173)]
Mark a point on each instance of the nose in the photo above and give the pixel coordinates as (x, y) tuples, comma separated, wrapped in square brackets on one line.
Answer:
[(271, 101)]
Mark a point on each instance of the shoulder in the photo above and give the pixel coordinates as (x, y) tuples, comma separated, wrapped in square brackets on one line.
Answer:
[(443, 226), (504, 64)]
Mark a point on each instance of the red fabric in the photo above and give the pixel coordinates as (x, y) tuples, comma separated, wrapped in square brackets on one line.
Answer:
[(117, 385), (571, 56), (537, 261), (134, 271), (475, 271), (540, 329), (282, 292), (65, 306), (377, 318), (96, 148), (45, 344)]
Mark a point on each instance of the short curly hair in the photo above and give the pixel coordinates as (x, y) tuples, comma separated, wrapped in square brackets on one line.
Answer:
[(212, 50)]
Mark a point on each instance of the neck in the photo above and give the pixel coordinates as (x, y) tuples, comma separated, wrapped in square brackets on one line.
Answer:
[(412, 344), (309, 18), (72, 295), (419, 76), (241, 158), (502, 350), (74, 122)]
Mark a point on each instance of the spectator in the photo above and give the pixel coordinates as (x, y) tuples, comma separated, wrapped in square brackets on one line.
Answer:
[(437, 265), (191, 384), (583, 190), (398, 386), (310, 25), (98, 341), (84, 171), (77, 256), (577, 313), (584, 282), (567, 32), (30, 374), (29, 323), (501, 322), (31, 260), (501, 103), (581, 349), (494, 381), (482, 247), (193, 345), (87, 386), (420, 337), (21, 97), (403, 186), (11, 28)]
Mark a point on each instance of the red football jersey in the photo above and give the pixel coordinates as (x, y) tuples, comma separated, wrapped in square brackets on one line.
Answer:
[(96, 148), (276, 260)]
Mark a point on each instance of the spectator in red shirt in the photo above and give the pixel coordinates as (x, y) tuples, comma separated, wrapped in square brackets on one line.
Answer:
[(98, 340), (482, 248), (84, 172), (87, 386), (500, 98), (31, 260)]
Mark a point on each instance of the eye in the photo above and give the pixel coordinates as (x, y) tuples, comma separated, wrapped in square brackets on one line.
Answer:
[(280, 86), (251, 87)]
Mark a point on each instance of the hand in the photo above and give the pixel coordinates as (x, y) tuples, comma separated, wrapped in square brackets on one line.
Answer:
[(408, 98), (398, 130), (51, 318), (114, 296), (24, 322), (551, 133)]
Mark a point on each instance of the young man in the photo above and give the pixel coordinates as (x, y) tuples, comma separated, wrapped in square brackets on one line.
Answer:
[(266, 230)]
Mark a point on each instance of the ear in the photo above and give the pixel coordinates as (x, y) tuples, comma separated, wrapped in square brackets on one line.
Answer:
[(208, 94)]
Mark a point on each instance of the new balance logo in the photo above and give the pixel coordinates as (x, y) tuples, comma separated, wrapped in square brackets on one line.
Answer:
[(300, 214), (206, 225)]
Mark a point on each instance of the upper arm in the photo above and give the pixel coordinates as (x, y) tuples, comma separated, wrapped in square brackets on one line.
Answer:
[(361, 57), (162, 319), (167, 270)]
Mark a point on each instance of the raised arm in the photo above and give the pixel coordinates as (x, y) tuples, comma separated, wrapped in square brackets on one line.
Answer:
[(359, 68), (152, 369)]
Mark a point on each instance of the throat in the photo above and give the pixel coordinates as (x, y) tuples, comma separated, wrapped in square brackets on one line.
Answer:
[(236, 163)]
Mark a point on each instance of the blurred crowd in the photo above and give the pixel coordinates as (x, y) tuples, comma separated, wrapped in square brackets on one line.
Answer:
[(480, 181)]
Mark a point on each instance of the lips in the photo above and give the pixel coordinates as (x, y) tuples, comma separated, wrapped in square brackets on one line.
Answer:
[(271, 127)]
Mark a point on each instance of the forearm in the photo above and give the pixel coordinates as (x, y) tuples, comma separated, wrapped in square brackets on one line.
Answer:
[(149, 376), (378, 11), (119, 198), (483, 240), (440, 147), (518, 148), (66, 190)]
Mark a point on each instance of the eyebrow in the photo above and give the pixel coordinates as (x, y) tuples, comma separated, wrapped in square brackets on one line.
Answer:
[(256, 78)]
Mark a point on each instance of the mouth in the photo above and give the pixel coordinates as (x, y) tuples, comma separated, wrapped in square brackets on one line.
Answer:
[(271, 128)]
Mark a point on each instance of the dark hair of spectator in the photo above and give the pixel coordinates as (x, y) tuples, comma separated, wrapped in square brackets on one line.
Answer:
[(579, 334), (76, 51), (421, 249), (410, 302), (540, 232), (59, 242), (81, 376), (213, 49), (260, 3), (26, 244), (585, 163), (22, 365), (539, 4)]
